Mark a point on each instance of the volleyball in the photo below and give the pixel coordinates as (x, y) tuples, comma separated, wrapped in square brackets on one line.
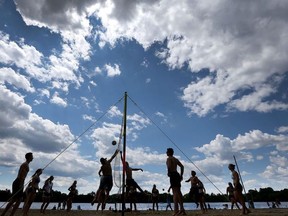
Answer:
[(114, 142)]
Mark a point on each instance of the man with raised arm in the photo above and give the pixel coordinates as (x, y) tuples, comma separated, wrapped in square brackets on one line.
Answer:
[(130, 182), (106, 182)]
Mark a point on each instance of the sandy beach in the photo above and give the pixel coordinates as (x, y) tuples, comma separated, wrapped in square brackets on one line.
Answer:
[(218, 212)]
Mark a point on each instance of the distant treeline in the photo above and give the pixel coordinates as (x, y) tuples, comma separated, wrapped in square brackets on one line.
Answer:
[(263, 195)]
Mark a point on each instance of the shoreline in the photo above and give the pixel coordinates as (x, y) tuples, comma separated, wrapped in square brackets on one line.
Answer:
[(214, 212)]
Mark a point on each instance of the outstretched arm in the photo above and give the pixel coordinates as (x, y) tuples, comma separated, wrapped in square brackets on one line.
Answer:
[(137, 169), (114, 155)]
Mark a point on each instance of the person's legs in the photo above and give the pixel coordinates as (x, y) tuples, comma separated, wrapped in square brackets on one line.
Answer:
[(17, 195), (138, 187), (47, 203), (26, 204), (106, 194), (69, 204), (42, 206), (182, 210), (32, 196), (175, 200), (236, 204), (202, 204), (239, 197), (98, 205), (205, 206), (8, 206), (98, 194), (15, 207)]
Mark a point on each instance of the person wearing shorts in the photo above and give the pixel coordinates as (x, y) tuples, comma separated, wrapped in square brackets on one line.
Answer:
[(106, 181), (18, 186), (175, 181)]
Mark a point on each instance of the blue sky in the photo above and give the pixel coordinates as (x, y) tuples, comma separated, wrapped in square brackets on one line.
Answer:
[(207, 78)]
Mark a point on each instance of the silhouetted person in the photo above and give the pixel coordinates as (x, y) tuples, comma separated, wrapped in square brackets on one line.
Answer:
[(155, 198), (175, 181), (106, 180), (130, 182), (31, 191), (168, 200), (18, 186), (238, 189), (230, 194), (73, 192), (197, 191), (47, 193)]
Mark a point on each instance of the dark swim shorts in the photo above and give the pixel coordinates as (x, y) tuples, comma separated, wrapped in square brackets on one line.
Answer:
[(106, 183), (175, 179), (17, 188)]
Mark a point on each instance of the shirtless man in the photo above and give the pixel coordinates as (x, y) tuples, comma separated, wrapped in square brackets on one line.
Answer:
[(197, 191), (194, 192), (175, 181), (18, 185), (238, 196), (106, 182), (130, 182)]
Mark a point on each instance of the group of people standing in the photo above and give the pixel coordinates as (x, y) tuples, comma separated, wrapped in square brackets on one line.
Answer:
[(197, 190), (29, 194), (106, 182)]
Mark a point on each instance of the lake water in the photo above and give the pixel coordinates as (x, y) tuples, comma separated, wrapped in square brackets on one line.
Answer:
[(146, 206)]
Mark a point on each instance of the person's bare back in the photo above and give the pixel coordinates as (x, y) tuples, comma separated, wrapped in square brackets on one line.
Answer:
[(106, 169)]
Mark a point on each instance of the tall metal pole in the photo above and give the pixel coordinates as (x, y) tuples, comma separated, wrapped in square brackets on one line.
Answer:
[(124, 154)]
